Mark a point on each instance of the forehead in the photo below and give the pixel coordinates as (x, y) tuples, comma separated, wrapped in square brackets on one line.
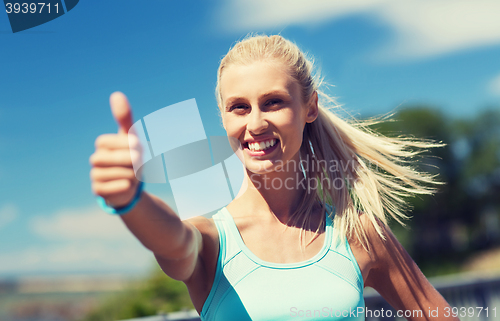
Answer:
[(255, 79)]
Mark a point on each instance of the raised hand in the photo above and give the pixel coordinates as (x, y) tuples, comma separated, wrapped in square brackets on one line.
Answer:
[(112, 172)]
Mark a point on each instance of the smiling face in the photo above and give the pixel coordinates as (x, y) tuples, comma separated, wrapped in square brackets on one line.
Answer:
[(262, 106)]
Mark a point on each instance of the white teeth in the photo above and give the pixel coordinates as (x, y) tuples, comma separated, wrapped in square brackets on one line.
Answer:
[(262, 145)]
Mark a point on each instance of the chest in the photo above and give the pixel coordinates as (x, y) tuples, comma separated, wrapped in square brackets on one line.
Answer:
[(278, 294), (279, 245)]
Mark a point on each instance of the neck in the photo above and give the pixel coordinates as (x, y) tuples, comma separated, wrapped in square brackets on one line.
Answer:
[(277, 193)]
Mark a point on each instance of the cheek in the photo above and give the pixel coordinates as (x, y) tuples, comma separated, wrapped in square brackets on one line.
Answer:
[(292, 124), (233, 126), (291, 129)]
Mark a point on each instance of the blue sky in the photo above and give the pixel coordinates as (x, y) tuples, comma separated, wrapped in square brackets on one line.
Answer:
[(55, 82)]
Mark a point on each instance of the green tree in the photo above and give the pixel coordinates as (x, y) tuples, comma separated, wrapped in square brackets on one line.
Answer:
[(450, 226), (155, 295)]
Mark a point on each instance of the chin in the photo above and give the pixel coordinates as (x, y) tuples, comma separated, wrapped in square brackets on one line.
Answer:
[(260, 168)]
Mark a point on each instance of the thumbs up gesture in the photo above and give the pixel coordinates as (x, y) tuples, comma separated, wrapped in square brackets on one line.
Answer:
[(112, 174)]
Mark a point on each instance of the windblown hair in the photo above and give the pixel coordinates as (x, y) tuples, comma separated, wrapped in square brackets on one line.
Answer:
[(374, 173)]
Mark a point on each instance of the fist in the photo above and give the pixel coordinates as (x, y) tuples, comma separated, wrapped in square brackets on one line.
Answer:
[(112, 173)]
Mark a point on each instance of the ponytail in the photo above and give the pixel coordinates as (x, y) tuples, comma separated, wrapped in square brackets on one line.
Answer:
[(359, 170)]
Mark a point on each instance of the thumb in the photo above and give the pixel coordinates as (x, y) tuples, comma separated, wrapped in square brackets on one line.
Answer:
[(121, 111)]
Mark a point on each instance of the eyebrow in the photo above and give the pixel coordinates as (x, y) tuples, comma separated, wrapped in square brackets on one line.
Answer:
[(232, 100)]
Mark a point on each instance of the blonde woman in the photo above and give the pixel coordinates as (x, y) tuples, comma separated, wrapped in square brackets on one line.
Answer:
[(279, 251)]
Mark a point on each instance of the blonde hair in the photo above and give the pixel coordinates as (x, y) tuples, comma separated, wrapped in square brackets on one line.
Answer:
[(378, 192)]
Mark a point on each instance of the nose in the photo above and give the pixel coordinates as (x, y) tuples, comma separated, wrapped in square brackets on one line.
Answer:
[(257, 123)]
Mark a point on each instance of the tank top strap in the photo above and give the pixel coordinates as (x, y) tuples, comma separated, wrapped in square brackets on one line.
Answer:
[(329, 227), (227, 239), (227, 250), (340, 251)]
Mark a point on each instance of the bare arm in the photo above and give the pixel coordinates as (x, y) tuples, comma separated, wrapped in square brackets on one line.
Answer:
[(398, 279), (176, 244)]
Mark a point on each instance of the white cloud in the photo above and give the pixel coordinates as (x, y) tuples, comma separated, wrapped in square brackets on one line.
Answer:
[(80, 224), (427, 28), (421, 27), (78, 256), (75, 240), (494, 85), (8, 213), (241, 15)]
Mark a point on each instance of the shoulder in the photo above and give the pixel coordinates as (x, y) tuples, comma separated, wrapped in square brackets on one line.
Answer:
[(364, 249), (376, 234), (208, 231), (383, 246), (208, 254), (201, 280), (202, 223), (380, 242)]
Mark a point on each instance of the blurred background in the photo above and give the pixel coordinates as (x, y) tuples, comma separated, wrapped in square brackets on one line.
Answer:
[(433, 64)]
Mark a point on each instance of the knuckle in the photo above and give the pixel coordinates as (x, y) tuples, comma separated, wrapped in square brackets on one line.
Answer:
[(116, 158), (94, 174), (124, 158), (135, 156), (92, 159), (131, 174), (97, 158), (134, 142), (100, 140), (122, 139), (127, 184), (96, 189), (124, 185)]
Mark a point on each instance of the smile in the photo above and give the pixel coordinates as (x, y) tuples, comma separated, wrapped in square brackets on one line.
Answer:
[(260, 146)]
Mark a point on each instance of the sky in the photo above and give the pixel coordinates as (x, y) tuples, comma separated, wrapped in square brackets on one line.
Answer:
[(55, 81)]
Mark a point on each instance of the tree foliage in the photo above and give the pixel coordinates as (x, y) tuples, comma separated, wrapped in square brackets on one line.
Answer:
[(155, 295), (464, 217)]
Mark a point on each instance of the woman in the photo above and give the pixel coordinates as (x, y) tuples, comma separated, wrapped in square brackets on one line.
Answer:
[(278, 251)]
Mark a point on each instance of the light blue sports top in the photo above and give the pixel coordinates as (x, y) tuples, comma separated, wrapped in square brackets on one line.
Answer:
[(327, 286)]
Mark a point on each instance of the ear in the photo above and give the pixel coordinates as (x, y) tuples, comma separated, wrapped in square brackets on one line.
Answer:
[(312, 108)]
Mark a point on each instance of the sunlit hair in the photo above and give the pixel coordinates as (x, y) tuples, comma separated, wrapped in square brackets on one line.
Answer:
[(377, 171)]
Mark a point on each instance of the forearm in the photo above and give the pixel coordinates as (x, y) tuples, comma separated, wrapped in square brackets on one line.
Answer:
[(159, 228)]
